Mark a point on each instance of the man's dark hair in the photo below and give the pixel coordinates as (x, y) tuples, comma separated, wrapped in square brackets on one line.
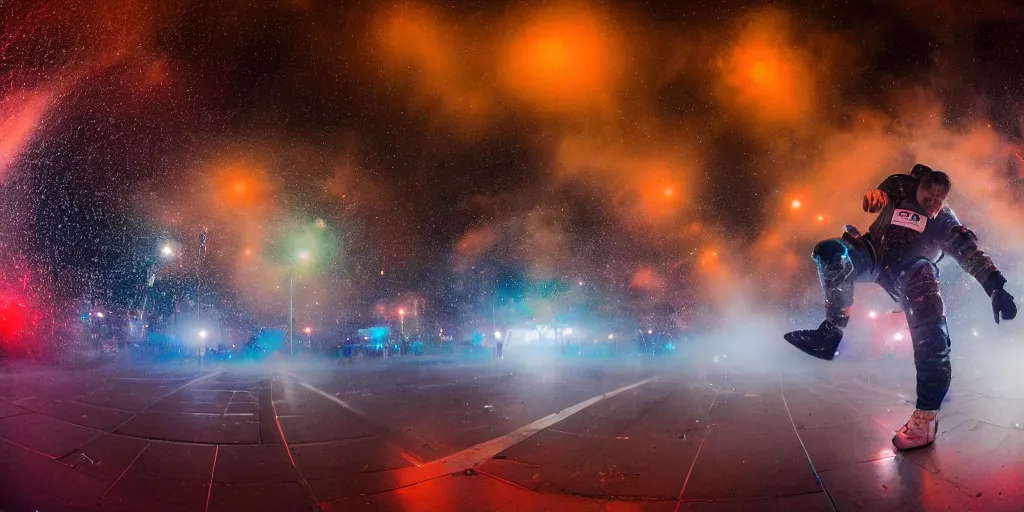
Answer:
[(939, 178)]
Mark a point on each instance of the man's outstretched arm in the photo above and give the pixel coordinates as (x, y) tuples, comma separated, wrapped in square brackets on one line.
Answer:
[(962, 244)]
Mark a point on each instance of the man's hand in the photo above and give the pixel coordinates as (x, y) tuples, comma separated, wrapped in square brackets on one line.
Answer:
[(1002, 302), (874, 201)]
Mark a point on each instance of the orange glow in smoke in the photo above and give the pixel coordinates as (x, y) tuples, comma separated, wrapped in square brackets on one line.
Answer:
[(411, 35), (796, 203), (242, 187), (709, 260), (763, 73), (656, 184), (561, 59), (20, 115), (648, 280), (414, 38)]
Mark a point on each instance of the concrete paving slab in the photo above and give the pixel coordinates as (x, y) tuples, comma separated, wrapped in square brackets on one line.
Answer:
[(30, 481), (140, 491), (107, 456), (894, 484), (85, 415), (257, 464), (752, 466), (178, 461), (333, 425), (464, 493), (194, 428), (44, 434), (325, 460), (269, 497), (10, 409), (842, 445), (812, 502)]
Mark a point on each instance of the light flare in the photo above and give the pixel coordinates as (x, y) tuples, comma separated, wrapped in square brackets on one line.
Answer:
[(563, 59), (21, 114), (764, 74)]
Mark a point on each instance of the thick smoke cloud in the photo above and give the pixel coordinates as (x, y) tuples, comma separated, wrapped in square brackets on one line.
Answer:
[(644, 166)]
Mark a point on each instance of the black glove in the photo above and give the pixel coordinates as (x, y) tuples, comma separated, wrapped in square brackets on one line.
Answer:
[(1002, 302)]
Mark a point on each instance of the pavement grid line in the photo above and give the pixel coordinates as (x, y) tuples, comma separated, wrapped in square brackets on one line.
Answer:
[(817, 477), (164, 396), (287, 449), (693, 464)]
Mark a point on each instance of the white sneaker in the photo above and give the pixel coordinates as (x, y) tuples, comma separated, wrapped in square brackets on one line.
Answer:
[(918, 432)]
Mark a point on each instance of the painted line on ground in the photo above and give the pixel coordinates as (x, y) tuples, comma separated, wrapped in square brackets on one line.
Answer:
[(478, 454)]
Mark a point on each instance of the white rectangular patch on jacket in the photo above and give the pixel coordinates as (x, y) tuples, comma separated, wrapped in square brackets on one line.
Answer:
[(909, 219)]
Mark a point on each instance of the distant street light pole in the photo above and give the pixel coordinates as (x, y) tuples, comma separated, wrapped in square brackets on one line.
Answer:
[(199, 264), (303, 256), (401, 322), (166, 252)]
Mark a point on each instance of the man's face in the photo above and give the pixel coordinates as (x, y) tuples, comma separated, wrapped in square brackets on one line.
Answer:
[(931, 198)]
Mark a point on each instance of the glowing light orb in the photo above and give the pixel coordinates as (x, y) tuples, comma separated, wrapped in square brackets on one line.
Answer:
[(796, 204), (898, 336), (872, 314), (562, 59)]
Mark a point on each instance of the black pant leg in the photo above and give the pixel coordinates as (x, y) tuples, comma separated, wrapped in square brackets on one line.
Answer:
[(926, 318)]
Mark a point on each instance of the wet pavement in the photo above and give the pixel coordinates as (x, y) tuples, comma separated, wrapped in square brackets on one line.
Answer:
[(517, 434)]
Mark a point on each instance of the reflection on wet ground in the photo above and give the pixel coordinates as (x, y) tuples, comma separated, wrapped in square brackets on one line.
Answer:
[(515, 434)]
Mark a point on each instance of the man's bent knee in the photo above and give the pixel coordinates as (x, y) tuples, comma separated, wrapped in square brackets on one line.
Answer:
[(829, 252)]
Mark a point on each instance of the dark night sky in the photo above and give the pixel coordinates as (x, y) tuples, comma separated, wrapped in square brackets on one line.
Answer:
[(375, 130)]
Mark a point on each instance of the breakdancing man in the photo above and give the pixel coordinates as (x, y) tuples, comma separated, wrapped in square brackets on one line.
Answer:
[(913, 230)]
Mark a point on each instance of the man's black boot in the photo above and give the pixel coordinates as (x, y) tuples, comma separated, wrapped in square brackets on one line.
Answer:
[(821, 342)]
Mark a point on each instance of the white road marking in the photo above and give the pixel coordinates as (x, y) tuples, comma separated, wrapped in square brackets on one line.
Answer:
[(475, 455), (480, 453)]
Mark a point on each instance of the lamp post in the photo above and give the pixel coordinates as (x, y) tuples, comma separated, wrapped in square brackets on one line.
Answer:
[(302, 256), (401, 322), (166, 252)]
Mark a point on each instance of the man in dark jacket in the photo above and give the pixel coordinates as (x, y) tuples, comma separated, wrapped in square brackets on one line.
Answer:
[(913, 230)]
